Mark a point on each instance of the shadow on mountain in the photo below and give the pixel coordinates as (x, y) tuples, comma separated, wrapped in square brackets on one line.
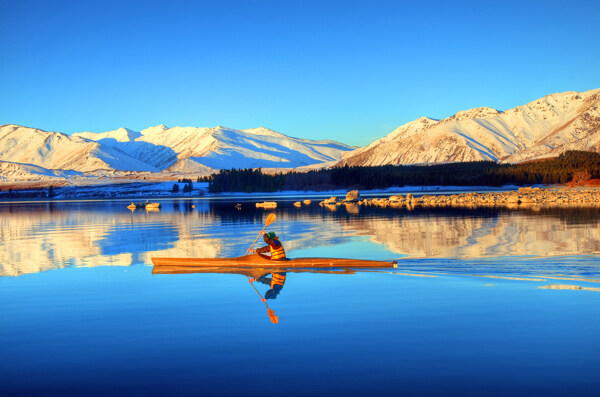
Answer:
[(252, 153), (158, 156)]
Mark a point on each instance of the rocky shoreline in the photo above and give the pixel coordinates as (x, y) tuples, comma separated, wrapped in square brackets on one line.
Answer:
[(523, 197)]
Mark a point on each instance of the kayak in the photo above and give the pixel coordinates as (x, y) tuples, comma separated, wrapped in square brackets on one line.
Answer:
[(257, 260), (254, 271)]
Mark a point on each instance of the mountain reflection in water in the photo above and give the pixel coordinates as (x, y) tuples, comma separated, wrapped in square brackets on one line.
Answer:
[(42, 236)]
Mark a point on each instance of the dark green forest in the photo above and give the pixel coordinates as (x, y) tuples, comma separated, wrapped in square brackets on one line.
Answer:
[(570, 165)]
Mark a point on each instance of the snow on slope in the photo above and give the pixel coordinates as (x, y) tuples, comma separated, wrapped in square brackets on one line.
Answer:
[(267, 149), (542, 128), (119, 135), (57, 151), (158, 149), (155, 157), (50, 150), (10, 172), (192, 149)]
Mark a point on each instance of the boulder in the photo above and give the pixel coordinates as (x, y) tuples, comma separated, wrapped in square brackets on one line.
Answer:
[(266, 204), (513, 198), (352, 196)]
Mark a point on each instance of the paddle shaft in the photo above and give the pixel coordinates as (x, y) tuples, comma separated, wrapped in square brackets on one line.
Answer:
[(248, 250), (270, 219), (259, 294)]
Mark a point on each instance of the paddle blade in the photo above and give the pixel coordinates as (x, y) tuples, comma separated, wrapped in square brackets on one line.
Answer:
[(270, 219), (272, 316)]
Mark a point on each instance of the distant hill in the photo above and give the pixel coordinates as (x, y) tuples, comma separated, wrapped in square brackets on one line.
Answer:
[(543, 128), (156, 150)]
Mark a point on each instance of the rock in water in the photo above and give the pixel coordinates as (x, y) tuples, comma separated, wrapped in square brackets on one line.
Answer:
[(352, 196)]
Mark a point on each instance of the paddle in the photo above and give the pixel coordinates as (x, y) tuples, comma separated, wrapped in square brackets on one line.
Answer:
[(270, 219), (270, 312)]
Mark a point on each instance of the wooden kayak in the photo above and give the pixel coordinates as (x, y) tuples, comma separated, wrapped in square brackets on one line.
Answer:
[(256, 260), (247, 271)]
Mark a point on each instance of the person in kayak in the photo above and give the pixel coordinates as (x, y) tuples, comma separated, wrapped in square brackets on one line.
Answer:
[(273, 245), (275, 282)]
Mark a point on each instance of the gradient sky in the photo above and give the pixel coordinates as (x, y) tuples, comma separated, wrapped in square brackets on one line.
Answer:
[(350, 71)]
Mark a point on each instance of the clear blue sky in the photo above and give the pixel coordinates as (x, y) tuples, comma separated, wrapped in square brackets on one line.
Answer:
[(345, 70)]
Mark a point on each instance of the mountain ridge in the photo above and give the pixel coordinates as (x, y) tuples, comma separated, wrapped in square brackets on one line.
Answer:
[(158, 149), (545, 127)]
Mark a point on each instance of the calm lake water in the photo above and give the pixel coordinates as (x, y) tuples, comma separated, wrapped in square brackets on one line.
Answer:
[(483, 302)]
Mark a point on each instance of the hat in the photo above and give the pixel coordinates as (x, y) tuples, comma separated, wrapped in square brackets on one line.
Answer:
[(271, 235)]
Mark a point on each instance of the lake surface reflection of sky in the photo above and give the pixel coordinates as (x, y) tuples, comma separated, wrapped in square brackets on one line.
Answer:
[(483, 302)]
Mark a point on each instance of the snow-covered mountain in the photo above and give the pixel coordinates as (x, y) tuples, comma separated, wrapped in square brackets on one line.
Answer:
[(190, 149), (57, 151), (29, 151), (543, 128)]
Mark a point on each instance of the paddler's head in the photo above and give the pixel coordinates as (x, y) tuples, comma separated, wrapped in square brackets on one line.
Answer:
[(271, 294), (269, 237)]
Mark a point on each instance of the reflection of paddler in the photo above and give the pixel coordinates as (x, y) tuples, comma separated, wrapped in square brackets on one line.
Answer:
[(275, 282), (273, 246), (280, 253)]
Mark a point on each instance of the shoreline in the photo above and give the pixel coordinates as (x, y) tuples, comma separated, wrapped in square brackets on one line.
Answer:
[(163, 190), (509, 196), (523, 197)]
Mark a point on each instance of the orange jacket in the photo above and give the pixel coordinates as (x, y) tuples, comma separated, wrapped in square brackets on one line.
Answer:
[(276, 249)]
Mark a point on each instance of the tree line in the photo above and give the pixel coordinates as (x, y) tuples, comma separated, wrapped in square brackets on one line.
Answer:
[(567, 167), (187, 188)]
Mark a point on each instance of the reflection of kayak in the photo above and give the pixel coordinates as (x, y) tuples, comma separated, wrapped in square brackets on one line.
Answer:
[(259, 261)]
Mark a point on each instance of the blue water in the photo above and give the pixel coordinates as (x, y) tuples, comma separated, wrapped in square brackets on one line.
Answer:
[(463, 314)]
